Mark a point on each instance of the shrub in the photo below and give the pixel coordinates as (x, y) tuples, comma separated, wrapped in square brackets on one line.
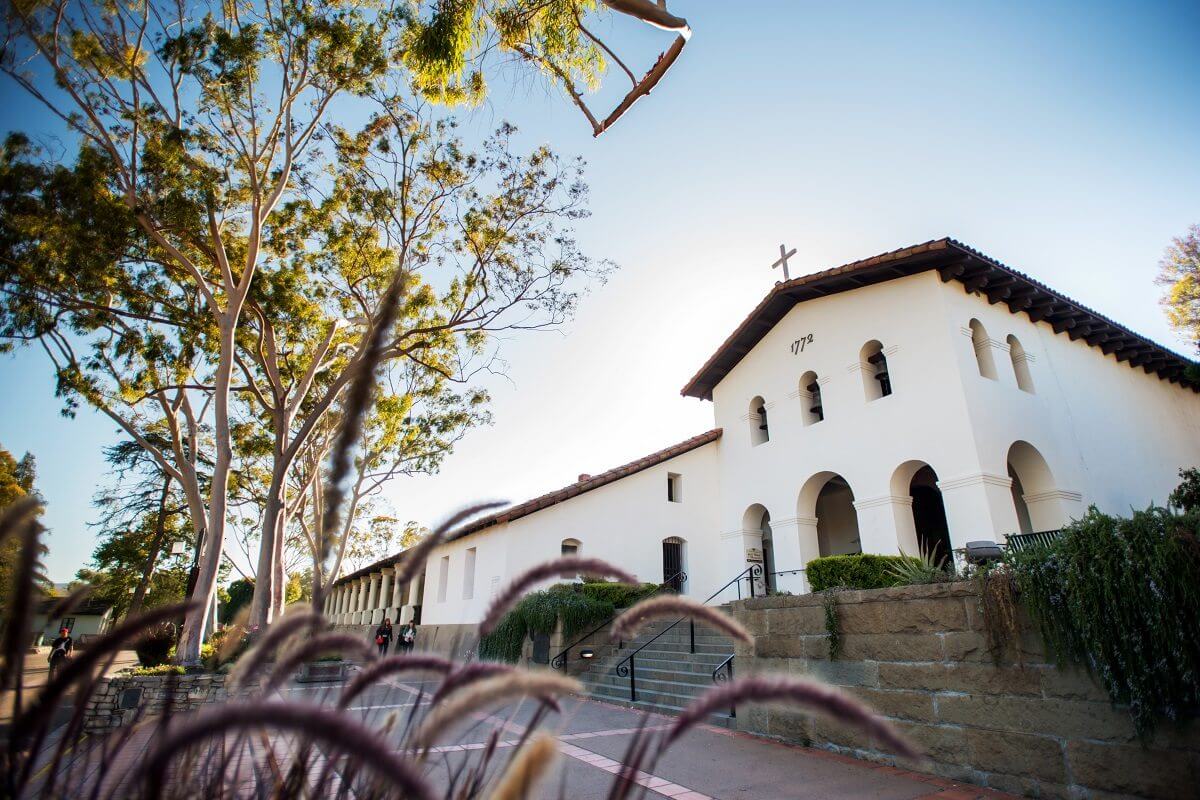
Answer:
[(161, 669), (155, 647), (861, 571), (621, 595), (923, 568), (1122, 597), (540, 612)]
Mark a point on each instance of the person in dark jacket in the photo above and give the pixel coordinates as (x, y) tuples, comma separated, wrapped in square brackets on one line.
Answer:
[(383, 636), (60, 651), (408, 636)]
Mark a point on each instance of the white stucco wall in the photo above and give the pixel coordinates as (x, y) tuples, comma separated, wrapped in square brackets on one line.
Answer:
[(623, 522), (1110, 434), (1092, 431)]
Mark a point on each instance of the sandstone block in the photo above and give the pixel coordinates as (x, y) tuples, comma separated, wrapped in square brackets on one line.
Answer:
[(841, 673), (796, 620), (1069, 719), (1017, 754), (792, 726), (965, 677), (774, 646), (1159, 774), (915, 706), (892, 647), (916, 616)]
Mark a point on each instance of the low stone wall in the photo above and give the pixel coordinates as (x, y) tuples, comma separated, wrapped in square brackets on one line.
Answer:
[(919, 656), (120, 700)]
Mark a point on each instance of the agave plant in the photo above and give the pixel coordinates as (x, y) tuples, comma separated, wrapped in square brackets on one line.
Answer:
[(928, 566)]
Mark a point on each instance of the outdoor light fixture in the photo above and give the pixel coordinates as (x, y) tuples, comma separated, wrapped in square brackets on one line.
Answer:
[(586, 654), (178, 548)]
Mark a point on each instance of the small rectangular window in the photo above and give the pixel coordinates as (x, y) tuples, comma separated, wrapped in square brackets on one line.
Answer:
[(674, 487), (469, 575), (443, 578)]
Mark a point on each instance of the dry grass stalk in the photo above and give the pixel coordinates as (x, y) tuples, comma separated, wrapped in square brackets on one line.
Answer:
[(392, 665), (527, 769), (468, 674), (819, 698), (281, 631), (316, 647), (415, 557), (489, 693), (567, 567), (627, 625), (337, 732)]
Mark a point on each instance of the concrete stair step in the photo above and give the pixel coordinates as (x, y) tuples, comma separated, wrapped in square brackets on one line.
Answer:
[(696, 677), (720, 720), (644, 684)]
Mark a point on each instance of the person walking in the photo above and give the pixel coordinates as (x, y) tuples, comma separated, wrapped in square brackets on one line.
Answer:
[(60, 651), (408, 637), (383, 636)]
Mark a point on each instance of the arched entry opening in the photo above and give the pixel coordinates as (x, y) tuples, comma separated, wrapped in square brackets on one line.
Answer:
[(918, 480), (756, 525), (1035, 494), (828, 498), (674, 563)]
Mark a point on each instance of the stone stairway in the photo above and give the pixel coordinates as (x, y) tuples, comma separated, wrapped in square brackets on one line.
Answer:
[(668, 676)]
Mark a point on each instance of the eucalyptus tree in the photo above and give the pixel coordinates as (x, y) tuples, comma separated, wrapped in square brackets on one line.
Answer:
[(198, 129)]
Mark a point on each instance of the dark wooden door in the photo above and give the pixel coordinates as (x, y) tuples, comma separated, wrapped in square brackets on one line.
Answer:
[(673, 564)]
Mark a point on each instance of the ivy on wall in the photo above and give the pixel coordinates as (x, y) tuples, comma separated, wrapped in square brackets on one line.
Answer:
[(540, 613), (1121, 596)]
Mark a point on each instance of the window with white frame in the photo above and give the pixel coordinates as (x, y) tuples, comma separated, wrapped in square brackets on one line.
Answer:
[(674, 487)]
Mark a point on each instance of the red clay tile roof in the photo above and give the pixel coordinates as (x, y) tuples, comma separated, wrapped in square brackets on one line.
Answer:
[(553, 498), (978, 273)]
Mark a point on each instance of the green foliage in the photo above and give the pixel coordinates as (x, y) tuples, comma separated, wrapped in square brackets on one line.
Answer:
[(620, 595), (541, 612), (1186, 496), (1179, 273), (1122, 597), (160, 669), (16, 481), (240, 593), (299, 588), (226, 646), (861, 571), (833, 623), (155, 647)]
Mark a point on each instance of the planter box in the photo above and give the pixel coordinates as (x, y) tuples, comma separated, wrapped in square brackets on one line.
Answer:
[(319, 671)]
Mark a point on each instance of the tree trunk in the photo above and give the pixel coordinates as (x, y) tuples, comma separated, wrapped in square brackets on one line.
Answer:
[(194, 625), (160, 531), (262, 607)]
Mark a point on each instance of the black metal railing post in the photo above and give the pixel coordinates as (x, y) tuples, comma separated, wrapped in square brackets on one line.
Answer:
[(692, 627), (722, 674), (632, 680)]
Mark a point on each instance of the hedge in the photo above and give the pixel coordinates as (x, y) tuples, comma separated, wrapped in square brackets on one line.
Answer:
[(861, 571), (621, 595)]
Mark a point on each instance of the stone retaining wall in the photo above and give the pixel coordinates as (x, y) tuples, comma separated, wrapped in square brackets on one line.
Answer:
[(120, 700), (919, 656)]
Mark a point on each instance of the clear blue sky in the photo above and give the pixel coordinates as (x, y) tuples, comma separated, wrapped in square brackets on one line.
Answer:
[(1060, 139)]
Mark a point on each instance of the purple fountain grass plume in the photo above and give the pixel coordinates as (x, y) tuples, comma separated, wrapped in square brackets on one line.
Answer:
[(527, 769), (782, 690), (414, 557), (627, 625), (279, 631), (335, 731), (357, 402), (567, 567), (315, 647), (488, 693), (468, 674), (392, 665)]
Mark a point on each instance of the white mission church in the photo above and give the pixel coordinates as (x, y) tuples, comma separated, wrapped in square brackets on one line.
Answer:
[(927, 395)]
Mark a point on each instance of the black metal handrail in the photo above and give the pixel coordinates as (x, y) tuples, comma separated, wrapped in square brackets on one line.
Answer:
[(560, 660), (626, 666), (724, 674)]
